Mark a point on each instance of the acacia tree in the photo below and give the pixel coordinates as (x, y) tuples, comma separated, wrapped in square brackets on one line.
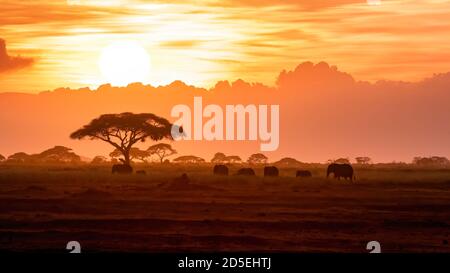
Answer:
[(125, 130), (116, 154), (59, 154), (431, 161), (19, 157), (161, 150), (189, 159), (342, 160), (233, 159), (219, 158), (135, 153), (287, 161), (99, 160), (363, 160), (257, 159)]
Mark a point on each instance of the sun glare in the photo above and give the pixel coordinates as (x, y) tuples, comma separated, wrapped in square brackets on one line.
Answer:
[(125, 62)]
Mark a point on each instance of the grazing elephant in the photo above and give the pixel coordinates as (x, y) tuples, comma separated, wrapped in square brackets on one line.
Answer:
[(271, 171), (304, 174), (246, 171), (122, 169), (340, 170), (220, 170)]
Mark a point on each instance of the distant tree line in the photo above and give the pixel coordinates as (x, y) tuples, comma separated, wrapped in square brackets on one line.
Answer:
[(161, 151), (431, 161), (189, 159), (123, 131), (221, 158), (57, 154), (61, 154)]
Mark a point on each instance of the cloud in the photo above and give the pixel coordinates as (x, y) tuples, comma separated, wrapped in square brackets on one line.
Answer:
[(9, 63), (305, 5), (230, 38), (311, 76), (324, 113), (53, 11), (181, 43)]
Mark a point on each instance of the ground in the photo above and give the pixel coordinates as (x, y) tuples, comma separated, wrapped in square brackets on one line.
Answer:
[(44, 207)]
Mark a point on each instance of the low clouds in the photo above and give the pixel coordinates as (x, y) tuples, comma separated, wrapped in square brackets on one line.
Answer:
[(10, 63), (306, 5), (325, 113), (302, 4)]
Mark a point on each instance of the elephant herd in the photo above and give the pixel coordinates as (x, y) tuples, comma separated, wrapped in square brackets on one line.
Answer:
[(338, 170)]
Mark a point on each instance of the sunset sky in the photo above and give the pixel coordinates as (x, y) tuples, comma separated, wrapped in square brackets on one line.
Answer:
[(352, 77), (71, 43)]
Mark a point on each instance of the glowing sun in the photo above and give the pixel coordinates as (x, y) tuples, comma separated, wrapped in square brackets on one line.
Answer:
[(124, 62)]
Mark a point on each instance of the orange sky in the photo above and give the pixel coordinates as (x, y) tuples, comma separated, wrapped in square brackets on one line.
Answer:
[(326, 112), (201, 42)]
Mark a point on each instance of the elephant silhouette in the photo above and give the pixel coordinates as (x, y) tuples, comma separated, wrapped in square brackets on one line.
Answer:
[(340, 170), (220, 170)]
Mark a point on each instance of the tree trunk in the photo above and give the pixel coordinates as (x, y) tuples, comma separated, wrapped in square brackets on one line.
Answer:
[(126, 155)]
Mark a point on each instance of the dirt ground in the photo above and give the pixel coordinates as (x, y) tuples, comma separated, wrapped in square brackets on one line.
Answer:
[(44, 207)]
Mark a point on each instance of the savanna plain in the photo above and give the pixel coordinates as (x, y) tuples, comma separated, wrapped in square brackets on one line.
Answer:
[(42, 207)]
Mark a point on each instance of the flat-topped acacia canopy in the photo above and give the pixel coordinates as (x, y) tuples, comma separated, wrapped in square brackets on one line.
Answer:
[(126, 129)]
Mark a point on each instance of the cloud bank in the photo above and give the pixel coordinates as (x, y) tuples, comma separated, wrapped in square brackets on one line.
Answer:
[(324, 113), (10, 63)]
